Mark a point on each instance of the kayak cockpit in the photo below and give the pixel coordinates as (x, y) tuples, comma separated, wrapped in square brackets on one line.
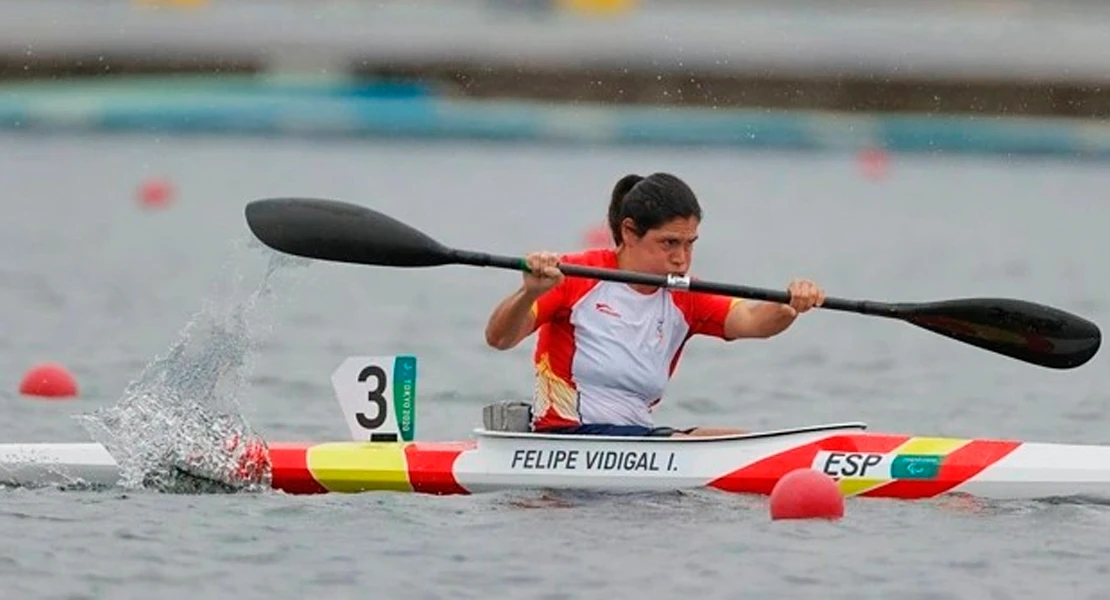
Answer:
[(513, 419)]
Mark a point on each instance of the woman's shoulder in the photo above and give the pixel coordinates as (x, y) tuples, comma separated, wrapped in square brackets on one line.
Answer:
[(594, 257)]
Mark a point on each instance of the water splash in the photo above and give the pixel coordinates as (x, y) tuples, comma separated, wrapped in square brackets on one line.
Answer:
[(178, 426)]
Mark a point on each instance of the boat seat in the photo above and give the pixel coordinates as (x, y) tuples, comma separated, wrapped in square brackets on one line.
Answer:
[(508, 415)]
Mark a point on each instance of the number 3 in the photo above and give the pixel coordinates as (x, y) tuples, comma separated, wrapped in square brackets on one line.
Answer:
[(374, 396)]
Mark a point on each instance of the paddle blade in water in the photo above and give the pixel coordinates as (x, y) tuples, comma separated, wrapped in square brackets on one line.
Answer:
[(342, 232), (1026, 331)]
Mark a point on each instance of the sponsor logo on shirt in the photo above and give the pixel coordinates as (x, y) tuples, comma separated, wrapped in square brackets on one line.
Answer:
[(602, 307)]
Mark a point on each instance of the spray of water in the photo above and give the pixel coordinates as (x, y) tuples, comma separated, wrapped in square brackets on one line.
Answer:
[(178, 426)]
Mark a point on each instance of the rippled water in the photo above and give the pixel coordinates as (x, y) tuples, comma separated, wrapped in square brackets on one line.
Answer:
[(92, 280)]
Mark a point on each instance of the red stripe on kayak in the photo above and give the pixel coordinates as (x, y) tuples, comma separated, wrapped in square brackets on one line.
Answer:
[(432, 466), (957, 467), (289, 470), (761, 476)]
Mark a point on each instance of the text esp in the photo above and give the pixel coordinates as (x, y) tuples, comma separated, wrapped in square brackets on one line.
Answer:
[(849, 464)]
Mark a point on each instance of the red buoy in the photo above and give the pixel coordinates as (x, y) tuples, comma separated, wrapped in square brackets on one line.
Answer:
[(598, 237), (806, 494), (48, 380), (874, 163), (155, 193)]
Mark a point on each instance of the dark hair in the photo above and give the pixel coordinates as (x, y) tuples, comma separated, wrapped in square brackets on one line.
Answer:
[(650, 202)]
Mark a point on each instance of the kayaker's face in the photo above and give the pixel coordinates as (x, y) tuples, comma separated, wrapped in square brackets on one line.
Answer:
[(666, 249)]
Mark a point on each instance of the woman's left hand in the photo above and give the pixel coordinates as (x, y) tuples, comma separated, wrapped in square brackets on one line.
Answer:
[(804, 295)]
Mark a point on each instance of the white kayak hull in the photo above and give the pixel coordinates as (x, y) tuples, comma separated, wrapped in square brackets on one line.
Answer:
[(865, 464), (84, 464)]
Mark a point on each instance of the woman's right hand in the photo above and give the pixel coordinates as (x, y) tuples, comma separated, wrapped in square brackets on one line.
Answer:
[(543, 272)]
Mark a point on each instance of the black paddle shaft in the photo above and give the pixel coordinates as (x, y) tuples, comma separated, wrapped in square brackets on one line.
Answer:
[(343, 232), (674, 282)]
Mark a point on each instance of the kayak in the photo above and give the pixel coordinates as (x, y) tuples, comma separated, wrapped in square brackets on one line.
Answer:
[(377, 396), (866, 464)]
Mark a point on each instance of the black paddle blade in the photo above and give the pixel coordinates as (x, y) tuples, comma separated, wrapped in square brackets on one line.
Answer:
[(1030, 332), (342, 232)]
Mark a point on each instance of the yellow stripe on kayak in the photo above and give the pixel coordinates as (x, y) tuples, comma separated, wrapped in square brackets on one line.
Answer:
[(852, 487), (930, 445), (914, 445), (358, 467)]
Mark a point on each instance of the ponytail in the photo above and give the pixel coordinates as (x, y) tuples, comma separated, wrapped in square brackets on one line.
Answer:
[(616, 204)]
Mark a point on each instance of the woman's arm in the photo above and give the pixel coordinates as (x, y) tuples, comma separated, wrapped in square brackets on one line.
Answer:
[(512, 320), (767, 319)]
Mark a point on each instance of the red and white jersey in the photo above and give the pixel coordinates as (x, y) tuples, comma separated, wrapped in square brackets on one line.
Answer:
[(605, 352)]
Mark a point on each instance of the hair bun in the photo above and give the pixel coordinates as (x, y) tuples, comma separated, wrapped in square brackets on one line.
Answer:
[(620, 190), (625, 185)]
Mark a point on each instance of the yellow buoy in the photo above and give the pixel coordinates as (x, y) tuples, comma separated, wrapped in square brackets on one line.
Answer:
[(598, 7)]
